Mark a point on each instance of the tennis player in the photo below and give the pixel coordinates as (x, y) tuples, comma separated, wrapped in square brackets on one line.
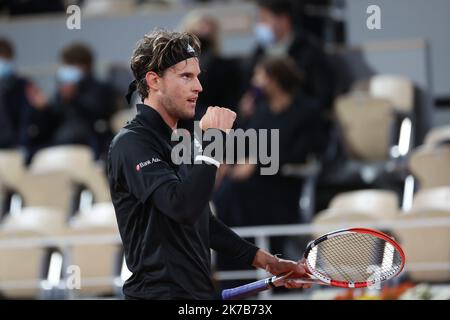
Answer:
[(162, 209)]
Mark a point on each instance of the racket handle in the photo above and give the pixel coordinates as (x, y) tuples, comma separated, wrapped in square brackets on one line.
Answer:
[(247, 289)]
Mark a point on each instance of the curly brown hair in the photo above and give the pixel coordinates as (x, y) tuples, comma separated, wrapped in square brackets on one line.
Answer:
[(158, 51)]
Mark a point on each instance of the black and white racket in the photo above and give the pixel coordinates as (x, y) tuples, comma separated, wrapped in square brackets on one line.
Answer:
[(350, 258)]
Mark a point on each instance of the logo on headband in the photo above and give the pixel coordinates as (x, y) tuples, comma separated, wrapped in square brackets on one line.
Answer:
[(190, 49)]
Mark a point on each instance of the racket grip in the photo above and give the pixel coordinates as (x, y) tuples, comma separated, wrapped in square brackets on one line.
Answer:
[(246, 290)]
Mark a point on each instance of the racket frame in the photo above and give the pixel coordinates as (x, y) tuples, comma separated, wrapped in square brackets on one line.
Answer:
[(349, 284)]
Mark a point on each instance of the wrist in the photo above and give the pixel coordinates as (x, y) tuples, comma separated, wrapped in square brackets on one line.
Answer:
[(263, 259)]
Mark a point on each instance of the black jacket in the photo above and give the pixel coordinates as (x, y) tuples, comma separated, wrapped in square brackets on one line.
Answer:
[(21, 124), (163, 214), (85, 118)]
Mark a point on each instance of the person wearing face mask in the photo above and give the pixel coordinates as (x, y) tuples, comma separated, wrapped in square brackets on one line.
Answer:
[(247, 198), (277, 35), (82, 104), (284, 106), (24, 121)]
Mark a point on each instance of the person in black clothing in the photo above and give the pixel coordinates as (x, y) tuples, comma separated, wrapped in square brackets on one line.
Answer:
[(83, 105), (282, 105), (24, 120), (162, 208), (277, 35), (246, 198)]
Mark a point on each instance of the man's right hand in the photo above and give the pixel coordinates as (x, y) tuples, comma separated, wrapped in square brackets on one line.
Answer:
[(218, 118)]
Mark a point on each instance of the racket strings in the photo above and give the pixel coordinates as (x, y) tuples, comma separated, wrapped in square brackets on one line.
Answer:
[(344, 267), (356, 257), (366, 254)]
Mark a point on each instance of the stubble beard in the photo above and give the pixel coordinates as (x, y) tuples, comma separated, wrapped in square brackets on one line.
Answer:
[(174, 110)]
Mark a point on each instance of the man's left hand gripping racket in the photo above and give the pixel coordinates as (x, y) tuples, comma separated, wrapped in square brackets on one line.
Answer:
[(350, 258)]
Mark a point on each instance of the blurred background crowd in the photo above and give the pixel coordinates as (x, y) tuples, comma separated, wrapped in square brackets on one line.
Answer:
[(363, 116)]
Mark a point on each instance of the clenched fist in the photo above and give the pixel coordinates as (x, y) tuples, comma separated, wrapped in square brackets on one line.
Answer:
[(218, 118)]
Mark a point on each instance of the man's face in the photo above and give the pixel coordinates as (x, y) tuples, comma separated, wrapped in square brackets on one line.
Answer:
[(180, 88)]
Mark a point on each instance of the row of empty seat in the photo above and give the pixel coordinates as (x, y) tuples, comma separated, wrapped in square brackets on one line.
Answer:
[(99, 262), (62, 193), (53, 175)]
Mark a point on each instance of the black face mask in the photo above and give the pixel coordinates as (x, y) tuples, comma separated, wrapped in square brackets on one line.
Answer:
[(258, 93)]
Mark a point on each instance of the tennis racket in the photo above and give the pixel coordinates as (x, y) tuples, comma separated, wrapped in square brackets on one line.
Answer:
[(350, 258)]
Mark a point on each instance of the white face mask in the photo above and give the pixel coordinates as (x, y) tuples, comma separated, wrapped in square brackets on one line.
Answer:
[(6, 68), (264, 34), (69, 74)]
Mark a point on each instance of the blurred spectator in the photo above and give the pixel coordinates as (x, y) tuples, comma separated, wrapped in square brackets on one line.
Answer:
[(264, 199), (24, 122), (220, 77), (277, 35), (82, 105), (247, 198)]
